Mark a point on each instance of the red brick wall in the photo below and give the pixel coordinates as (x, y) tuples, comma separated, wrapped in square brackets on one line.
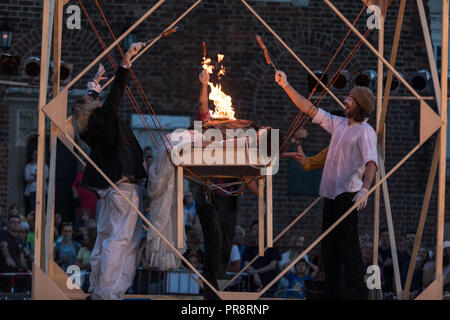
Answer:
[(168, 74)]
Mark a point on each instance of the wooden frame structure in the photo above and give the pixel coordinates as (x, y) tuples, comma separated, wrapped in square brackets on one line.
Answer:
[(49, 281)]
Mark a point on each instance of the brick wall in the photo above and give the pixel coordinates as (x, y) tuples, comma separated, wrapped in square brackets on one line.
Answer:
[(168, 74)]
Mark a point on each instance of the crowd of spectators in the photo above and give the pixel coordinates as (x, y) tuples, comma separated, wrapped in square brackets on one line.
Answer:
[(74, 242)]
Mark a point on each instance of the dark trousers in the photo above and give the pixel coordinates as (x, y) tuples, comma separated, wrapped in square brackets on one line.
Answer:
[(217, 215), (341, 247)]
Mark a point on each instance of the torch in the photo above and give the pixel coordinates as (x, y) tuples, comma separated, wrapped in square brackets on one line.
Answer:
[(266, 52), (162, 35)]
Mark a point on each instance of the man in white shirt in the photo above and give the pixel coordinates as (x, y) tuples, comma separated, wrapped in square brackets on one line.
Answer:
[(352, 155)]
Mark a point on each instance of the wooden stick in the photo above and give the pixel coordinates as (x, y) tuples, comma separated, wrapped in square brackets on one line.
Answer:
[(423, 217), (293, 53)]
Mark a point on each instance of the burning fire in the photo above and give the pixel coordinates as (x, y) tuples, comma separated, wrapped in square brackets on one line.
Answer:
[(222, 101)]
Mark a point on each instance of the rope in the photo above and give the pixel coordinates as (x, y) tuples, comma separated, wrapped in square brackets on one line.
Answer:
[(113, 63), (335, 76)]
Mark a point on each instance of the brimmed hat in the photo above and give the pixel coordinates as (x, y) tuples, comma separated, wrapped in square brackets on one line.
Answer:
[(365, 98)]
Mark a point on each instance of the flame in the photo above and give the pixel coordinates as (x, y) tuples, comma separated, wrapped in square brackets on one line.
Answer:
[(222, 102), (206, 65)]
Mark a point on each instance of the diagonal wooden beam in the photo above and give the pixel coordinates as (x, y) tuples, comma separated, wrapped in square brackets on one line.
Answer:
[(430, 52), (387, 88), (423, 217)]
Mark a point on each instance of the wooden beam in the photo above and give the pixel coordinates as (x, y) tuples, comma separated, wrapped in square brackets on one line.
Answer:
[(423, 217), (443, 144), (261, 216), (47, 27), (180, 207), (371, 48), (387, 88), (430, 53), (49, 221), (269, 210), (390, 223)]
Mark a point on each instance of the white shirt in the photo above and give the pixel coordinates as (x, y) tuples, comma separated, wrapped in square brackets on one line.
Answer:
[(235, 256), (30, 177), (351, 147), (286, 258)]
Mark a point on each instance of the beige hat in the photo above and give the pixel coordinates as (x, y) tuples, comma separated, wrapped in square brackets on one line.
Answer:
[(365, 98)]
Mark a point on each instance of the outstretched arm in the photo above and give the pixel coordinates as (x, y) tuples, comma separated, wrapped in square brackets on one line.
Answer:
[(300, 101), (203, 108)]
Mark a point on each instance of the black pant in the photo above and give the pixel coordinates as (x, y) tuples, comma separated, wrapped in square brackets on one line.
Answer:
[(341, 247), (217, 216)]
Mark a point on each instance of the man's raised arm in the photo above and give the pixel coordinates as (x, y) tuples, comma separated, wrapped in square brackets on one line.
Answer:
[(300, 101)]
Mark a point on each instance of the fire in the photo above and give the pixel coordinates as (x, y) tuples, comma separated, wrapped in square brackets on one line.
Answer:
[(222, 101)]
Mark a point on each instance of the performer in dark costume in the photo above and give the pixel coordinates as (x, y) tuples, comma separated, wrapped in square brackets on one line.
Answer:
[(116, 151)]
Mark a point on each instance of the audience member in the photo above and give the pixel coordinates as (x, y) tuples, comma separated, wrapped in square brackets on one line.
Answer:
[(83, 259), (189, 210), (30, 219), (30, 179), (27, 247), (66, 249), (3, 219), (264, 269), (387, 266), (195, 260), (297, 246), (12, 255), (429, 269), (404, 260), (57, 225), (194, 245), (297, 277), (234, 265), (239, 240), (83, 198)]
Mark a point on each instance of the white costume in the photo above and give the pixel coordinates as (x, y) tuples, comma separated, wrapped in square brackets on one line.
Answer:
[(113, 259), (163, 206)]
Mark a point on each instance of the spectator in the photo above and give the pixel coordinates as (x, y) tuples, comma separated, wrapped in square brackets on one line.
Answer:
[(264, 269), (66, 249), (3, 219), (429, 269), (84, 255), (84, 217), (30, 179), (12, 257), (387, 266), (239, 240), (195, 260), (297, 278), (83, 198), (404, 260), (13, 210), (148, 157), (297, 246), (30, 219), (57, 225), (194, 245), (27, 247), (189, 210), (235, 260)]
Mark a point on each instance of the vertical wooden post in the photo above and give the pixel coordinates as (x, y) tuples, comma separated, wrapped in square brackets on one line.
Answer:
[(39, 244), (47, 27), (49, 235), (443, 144), (180, 208), (269, 210), (261, 216)]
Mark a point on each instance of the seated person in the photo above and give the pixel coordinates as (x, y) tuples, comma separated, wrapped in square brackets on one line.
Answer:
[(297, 278)]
